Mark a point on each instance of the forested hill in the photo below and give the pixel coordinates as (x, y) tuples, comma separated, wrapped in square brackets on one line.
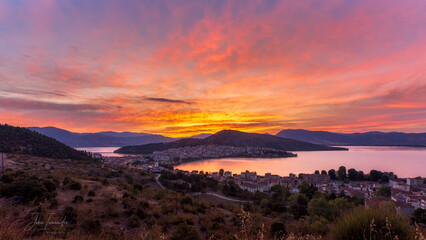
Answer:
[(22, 140), (231, 138)]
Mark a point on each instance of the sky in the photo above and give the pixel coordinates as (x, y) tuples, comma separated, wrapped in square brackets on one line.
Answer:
[(185, 67)]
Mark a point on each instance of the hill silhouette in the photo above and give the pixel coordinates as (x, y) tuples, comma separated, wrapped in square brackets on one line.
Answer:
[(356, 139), (25, 141), (230, 138)]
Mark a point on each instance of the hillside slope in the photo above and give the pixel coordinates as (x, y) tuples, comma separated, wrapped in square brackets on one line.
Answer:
[(230, 138), (23, 140), (356, 139)]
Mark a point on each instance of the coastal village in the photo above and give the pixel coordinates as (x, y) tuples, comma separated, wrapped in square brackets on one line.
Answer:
[(406, 195)]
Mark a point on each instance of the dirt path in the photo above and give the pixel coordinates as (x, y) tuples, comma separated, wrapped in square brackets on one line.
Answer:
[(212, 194), (158, 181)]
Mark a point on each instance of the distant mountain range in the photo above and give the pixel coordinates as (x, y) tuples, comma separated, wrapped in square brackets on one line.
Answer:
[(100, 139), (120, 139), (22, 140), (230, 138), (105, 139), (356, 139)]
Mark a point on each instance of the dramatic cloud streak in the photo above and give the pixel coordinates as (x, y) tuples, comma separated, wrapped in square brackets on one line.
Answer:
[(184, 67)]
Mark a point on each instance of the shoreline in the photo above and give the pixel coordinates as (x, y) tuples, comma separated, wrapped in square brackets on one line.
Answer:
[(230, 157)]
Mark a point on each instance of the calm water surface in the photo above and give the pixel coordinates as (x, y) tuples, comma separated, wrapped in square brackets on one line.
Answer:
[(403, 161), (105, 151)]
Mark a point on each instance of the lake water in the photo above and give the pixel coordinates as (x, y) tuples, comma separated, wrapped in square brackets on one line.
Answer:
[(105, 151), (403, 161)]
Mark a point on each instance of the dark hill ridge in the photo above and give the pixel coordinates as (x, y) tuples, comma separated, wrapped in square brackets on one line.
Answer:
[(356, 139), (230, 138), (23, 140)]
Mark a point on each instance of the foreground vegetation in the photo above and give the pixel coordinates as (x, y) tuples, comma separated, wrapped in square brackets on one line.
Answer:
[(88, 200)]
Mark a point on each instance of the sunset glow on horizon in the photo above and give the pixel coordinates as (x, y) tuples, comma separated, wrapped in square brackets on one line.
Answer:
[(181, 68)]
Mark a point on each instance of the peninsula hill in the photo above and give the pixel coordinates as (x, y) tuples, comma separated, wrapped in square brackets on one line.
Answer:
[(233, 139)]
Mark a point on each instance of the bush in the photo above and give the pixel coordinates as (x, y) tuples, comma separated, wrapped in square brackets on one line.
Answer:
[(78, 199), (91, 226), (75, 186), (372, 223), (419, 216), (70, 215), (27, 189), (278, 230), (185, 232), (133, 222), (91, 193), (71, 183)]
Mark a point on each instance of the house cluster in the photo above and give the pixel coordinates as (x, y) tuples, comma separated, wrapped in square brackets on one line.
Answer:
[(252, 182), (406, 195), (214, 151)]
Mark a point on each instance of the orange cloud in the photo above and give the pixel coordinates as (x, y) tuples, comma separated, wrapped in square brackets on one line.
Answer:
[(186, 67)]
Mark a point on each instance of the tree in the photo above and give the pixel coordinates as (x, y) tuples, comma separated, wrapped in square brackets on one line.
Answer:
[(278, 230), (319, 207), (384, 191), (384, 178), (307, 189), (419, 216), (317, 172), (361, 176), (221, 171), (341, 173), (340, 204), (298, 203), (352, 174), (323, 172), (332, 174), (375, 175)]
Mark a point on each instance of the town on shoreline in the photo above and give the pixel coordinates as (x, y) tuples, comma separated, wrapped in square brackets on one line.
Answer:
[(373, 188)]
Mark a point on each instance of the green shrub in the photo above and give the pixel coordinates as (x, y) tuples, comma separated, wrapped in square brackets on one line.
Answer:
[(372, 223)]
